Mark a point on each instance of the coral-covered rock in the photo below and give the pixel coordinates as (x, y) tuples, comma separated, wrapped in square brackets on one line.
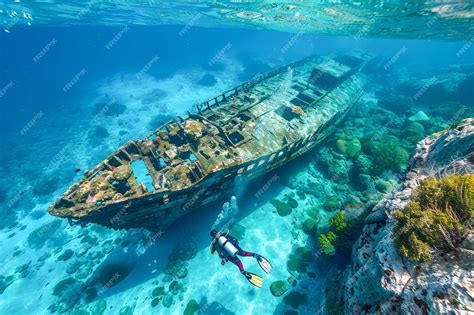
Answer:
[(378, 278), (300, 259), (383, 185), (336, 166), (282, 208), (66, 255), (309, 226), (332, 204)]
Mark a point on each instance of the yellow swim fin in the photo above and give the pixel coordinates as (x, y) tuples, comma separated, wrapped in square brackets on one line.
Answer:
[(254, 279)]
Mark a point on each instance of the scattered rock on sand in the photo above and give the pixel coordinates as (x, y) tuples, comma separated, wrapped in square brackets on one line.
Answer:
[(44, 234), (68, 293), (66, 255), (84, 271), (158, 291), (127, 309), (99, 307), (168, 301), (282, 208), (278, 288), (191, 307), (5, 282), (107, 247)]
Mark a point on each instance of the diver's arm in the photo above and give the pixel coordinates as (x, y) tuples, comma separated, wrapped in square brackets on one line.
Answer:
[(221, 254), (232, 239)]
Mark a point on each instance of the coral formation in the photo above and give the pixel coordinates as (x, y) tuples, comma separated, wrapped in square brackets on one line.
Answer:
[(299, 259), (424, 212), (388, 156)]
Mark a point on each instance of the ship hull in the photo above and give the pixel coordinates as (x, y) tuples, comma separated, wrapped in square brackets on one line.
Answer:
[(251, 132), (152, 214)]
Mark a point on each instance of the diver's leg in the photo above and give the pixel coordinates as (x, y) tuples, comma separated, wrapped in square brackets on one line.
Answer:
[(236, 261), (262, 261), (244, 253), (254, 279)]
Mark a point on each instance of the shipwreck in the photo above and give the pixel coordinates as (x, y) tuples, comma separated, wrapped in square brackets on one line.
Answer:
[(240, 134)]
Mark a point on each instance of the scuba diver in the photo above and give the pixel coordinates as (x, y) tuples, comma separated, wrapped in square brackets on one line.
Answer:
[(228, 248)]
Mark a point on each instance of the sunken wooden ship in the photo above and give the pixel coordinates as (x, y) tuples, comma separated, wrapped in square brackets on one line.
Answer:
[(238, 135)]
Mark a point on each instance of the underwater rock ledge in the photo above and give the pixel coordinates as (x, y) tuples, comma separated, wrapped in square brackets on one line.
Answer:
[(379, 279)]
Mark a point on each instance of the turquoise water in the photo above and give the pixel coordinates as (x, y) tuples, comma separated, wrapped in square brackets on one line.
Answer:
[(78, 80)]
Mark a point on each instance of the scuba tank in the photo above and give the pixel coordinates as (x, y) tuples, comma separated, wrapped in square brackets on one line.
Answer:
[(227, 246)]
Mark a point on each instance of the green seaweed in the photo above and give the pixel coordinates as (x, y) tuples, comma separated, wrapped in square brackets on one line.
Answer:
[(325, 242), (338, 221), (436, 218)]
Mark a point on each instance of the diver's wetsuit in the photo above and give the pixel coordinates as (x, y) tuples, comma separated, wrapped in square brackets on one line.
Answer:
[(224, 255)]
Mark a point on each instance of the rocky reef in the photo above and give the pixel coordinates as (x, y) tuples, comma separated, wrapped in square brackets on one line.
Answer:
[(379, 278)]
